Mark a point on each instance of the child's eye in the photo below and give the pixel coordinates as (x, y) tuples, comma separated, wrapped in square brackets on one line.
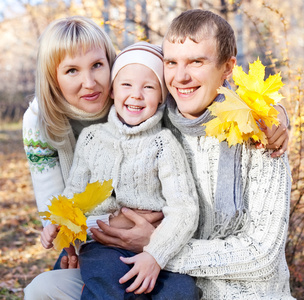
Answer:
[(149, 87), (126, 84)]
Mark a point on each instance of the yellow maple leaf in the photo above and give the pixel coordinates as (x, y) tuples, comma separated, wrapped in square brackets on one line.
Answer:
[(243, 109), (235, 121), (94, 194), (69, 214)]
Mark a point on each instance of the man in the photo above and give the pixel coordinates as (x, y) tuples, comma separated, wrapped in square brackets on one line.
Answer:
[(238, 251)]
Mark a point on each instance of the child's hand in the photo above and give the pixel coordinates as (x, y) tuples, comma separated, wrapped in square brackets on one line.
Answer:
[(146, 268), (48, 235)]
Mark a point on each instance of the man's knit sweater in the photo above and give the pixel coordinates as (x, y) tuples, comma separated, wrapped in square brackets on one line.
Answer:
[(149, 171), (250, 264)]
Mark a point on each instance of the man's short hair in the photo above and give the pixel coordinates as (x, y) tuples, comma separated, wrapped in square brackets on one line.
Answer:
[(200, 24)]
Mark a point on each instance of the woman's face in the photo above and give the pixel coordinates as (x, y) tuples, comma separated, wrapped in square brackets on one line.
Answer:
[(84, 80)]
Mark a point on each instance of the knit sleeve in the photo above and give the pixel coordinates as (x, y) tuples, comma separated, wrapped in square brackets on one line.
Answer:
[(42, 159), (181, 209), (258, 252)]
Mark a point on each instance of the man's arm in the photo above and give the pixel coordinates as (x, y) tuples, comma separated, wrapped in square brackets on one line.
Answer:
[(134, 238), (259, 250)]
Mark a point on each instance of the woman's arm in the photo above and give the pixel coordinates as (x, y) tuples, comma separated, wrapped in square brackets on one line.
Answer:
[(43, 161)]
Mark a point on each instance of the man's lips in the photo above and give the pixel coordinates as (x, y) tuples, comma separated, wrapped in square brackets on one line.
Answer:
[(186, 91), (91, 97)]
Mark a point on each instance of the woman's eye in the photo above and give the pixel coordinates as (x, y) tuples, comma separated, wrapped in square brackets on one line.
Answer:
[(97, 65), (71, 71)]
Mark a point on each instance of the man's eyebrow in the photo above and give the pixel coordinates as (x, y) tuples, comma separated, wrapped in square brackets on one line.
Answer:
[(166, 59)]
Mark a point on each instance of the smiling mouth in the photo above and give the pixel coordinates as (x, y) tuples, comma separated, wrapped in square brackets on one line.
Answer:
[(186, 91), (134, 108)]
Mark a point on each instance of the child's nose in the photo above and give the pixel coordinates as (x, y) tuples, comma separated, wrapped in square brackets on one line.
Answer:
[(137, 94)]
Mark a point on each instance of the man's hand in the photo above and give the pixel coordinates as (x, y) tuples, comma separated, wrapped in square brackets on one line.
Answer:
[(133, 239), (146, 270), (277, 135), (70, 261)]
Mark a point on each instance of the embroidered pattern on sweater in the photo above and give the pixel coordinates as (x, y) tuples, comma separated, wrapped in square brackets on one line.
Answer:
[(41, 155)]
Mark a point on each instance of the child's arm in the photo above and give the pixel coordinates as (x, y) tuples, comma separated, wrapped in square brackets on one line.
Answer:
[(146, 270), (48, 235)]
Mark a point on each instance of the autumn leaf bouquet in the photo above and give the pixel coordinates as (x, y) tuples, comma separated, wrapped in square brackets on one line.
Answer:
[(250, 107), (69, 214)]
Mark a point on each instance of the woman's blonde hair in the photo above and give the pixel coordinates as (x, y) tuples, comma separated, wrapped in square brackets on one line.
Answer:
[(63, 37)]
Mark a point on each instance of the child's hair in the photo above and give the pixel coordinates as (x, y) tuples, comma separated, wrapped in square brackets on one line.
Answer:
[(145, 54), (200, 24), (63, 37)]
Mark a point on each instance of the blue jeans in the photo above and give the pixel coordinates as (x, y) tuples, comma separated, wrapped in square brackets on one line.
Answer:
[(101, 270)]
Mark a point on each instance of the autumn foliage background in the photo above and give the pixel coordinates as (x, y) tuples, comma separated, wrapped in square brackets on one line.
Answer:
[(272, 30)]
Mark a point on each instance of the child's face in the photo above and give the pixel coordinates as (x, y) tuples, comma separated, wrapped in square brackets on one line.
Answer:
[(192, 75), (136, 93), (84, 80)]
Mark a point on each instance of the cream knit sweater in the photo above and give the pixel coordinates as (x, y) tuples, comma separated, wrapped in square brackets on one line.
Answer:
[(149, 171), (249, 265)]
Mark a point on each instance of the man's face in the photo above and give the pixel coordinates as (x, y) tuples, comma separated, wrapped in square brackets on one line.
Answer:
[(192, 75)]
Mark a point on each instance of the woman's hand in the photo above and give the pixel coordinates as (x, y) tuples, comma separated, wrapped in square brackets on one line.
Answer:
[(126, 237)]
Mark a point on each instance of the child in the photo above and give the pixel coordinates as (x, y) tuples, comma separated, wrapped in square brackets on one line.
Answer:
[(149, 172)]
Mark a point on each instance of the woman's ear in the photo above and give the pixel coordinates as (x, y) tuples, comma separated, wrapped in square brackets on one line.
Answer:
[(228, 67)]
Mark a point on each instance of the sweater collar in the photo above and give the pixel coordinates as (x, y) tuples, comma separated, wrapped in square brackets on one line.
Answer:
[(152, 124)]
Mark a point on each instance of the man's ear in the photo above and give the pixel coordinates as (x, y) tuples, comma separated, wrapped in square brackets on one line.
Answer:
[(228, 67)]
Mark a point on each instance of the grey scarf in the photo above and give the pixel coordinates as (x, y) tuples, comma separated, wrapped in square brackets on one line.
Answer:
[(230, 213)]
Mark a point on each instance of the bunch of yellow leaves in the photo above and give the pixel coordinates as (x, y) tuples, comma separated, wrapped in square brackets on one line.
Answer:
[(252, 103), (69, 214)]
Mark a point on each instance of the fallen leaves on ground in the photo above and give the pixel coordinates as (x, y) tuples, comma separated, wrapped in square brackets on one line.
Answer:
[(21, 255)]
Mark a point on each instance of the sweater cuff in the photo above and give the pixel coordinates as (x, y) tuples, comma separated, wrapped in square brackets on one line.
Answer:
[(92, 222), (285, 112)]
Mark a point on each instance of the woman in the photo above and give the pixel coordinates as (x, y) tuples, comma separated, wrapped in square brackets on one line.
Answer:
[(72, 91)]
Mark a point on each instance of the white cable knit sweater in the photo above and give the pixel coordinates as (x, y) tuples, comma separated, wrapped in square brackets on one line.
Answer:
[(149, 171), (251, 264)]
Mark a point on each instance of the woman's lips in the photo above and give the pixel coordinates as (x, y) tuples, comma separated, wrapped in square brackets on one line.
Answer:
[(91, 97)]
